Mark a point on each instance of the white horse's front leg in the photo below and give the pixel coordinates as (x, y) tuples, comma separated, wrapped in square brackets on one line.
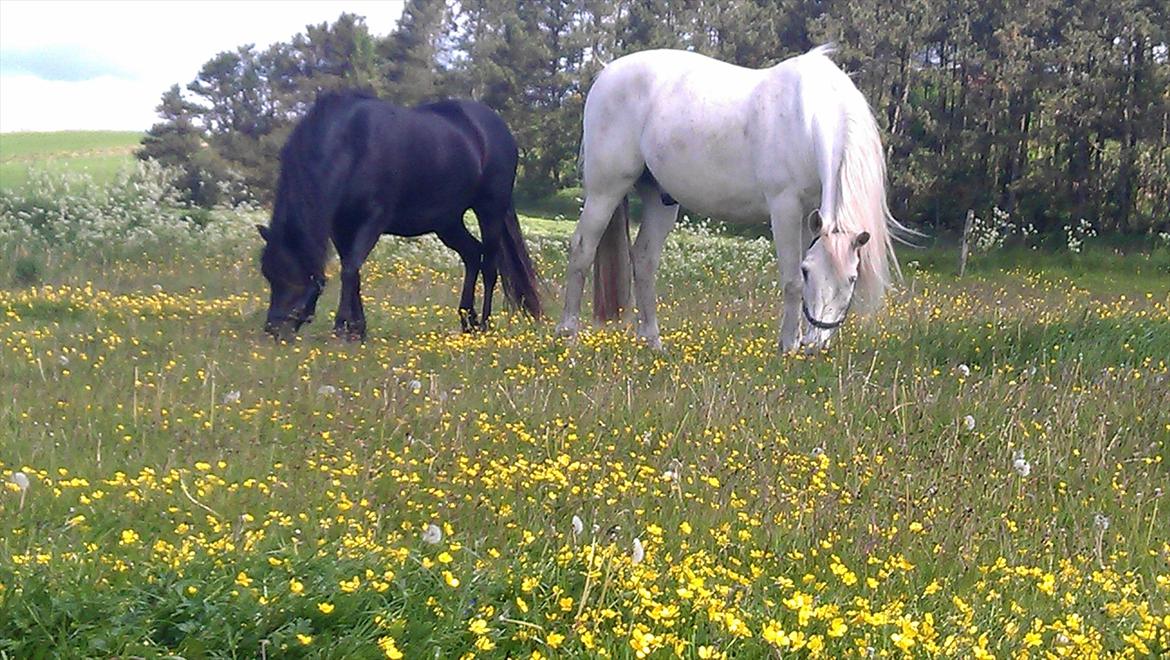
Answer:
[(595, 217), (657, 221), (786, 235)]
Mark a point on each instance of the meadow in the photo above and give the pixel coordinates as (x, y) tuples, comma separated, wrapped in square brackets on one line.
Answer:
[(100, 154), (977, 471)]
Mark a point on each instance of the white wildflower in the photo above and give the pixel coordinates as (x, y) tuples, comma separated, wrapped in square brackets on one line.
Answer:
[(1101, 522), (639, 552), (1021, 465), (578, 525), (327, 390), (963, 370), (415, 386), (969, 422), (232, 397), (433, 534), (157, 288), (817, 452), (62, 360)]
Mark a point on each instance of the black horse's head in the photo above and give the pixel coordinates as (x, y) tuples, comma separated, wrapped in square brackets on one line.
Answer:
[(294, 287)]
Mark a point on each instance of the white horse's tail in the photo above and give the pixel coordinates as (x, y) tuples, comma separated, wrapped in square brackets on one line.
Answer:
[(611, 267), (855, 201)]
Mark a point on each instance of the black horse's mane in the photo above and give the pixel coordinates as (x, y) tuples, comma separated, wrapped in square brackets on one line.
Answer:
[(301, 196)]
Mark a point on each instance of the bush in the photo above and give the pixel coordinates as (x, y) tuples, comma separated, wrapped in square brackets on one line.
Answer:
[(141, 207)]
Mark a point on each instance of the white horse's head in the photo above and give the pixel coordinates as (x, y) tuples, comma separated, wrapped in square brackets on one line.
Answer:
[(830, 270)]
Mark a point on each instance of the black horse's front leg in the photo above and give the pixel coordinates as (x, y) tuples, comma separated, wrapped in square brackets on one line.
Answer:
[(350, 324)]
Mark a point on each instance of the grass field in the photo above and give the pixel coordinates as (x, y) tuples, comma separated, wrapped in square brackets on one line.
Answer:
[(101, 154), (978, 471)]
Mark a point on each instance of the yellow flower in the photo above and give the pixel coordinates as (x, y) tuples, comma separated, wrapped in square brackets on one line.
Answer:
[(478, 626), (129, 537), (325, 608), (243, 580), (296, 586), (450, 579), (554, 639), (390, 648), (304, 639)]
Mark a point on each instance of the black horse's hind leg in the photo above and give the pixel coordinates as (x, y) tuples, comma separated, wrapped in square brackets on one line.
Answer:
[(491, 227), (456, 237), (353, 248)]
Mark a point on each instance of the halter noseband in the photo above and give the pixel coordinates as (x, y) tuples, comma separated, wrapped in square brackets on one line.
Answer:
[(317, 285), (817, 323)]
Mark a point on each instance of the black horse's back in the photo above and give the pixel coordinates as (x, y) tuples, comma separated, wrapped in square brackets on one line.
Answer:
[(357, 167)]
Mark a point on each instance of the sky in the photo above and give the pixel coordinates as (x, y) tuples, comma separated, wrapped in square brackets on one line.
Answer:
[(104, 65)]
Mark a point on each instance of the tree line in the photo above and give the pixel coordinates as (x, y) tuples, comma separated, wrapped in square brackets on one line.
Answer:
[(1049, 110)]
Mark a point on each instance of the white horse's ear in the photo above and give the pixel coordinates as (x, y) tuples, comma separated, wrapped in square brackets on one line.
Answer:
[(263, 232), (861, 239), (815, 223)]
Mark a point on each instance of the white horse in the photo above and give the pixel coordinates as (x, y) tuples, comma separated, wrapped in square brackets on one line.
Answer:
[(741, 145)]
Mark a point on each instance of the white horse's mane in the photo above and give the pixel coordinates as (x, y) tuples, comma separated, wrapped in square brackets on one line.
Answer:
[(859, 204)]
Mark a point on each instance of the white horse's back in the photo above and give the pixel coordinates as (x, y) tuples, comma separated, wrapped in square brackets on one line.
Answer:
[(677, 113)]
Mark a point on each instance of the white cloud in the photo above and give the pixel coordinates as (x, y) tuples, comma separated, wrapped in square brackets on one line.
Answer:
[(139, 50)]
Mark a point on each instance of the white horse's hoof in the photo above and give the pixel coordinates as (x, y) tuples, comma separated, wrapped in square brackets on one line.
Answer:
[(653, 343)]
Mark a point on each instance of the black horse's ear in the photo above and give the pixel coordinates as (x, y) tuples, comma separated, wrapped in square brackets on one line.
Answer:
[(263, 232), (815, 223), (861, 239)]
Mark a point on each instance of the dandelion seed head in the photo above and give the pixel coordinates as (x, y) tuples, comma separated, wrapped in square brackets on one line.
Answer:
[(578, 525), (433, 534), (969, 422), (21, 480)]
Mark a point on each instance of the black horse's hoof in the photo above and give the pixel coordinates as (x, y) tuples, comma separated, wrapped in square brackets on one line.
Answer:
[(469, 321), (350, 332)]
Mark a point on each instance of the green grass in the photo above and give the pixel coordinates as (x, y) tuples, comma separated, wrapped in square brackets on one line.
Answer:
[(101, 154), (198, 490)]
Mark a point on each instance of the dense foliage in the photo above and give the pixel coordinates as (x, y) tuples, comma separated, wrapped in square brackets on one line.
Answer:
[(1051, 111)]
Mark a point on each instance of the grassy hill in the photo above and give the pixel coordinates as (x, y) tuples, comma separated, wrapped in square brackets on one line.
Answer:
[(101, 154)]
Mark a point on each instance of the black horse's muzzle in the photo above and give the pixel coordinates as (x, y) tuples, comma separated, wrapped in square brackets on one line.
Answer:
[(300, 313)]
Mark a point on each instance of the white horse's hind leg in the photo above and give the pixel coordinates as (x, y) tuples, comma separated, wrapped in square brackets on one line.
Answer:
[(599, 208), (657, 221), (786, 218)]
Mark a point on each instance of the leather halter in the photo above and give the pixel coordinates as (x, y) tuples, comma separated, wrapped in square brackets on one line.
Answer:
[(817, 323)]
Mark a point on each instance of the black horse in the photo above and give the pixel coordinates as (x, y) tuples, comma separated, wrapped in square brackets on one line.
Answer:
[(357, 167)]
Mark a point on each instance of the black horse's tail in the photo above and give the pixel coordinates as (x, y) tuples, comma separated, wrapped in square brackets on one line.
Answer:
[(519, 275)]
